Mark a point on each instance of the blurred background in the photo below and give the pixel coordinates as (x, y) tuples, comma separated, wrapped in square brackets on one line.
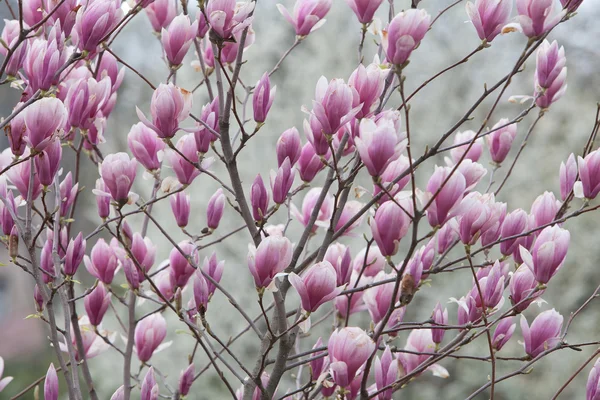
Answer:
[(332, 51)]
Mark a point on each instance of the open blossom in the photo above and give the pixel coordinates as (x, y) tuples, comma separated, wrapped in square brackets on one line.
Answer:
[(94, 21), (404, 34), (489, 16), (308, 15), (369, 82), (548, 253), (349, 349), (550, 74), (169, 106), (177, 39), (226, 17), (339, 257), (85, 99), (270, 258), (93, 344), (263, 97), (149, 334), (43, 60), (419, 341), (500, 140), (230, 48), (185, 171), (543, 334), (477, 214), (537, 17), (378, 144), (316, 286), (118, 172)]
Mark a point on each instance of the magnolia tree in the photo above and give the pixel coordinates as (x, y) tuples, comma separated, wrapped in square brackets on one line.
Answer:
[(58, 55)]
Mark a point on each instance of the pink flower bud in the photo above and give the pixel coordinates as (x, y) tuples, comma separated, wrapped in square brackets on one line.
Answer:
[(259, 199), (161, 13), (378, 145), (18, 57), (66, 13), (289, 146), (213, 268), (477, 214), (521, 286), (186, 379), (46, 262), (180, 205), (149, 387), (543, 334), (548, 253), (309, 203), (364, 10), (439, 317), (203, 25), (214, 210), (309, 163), (393, 170), (145, 146), (256, 395), (94, 21), (210, 117), (144, 251), (550, 74), (514, 224), (32, 12), (339, 256), (317, 286), (169, 106), (282, 181), (270, 258), (567, 176), (108, 67), (571, 6), (68, 193), (118, 172), (334, 106), (308, 15), (102, 262), (262, 98), (184, 169), (230, 49), (473, 154), (349, 349), (318, 365), (446, 236), (386, 373), (344, 305), (16, 132), (132, 274), (39, 307), (165, 283), (96, 303), (47, 163), (492, 287), (75, 253), (226, 18), (149, 334), (19, 176), (181, 269), (593, 383), (177, 39), (472, 171), (10, 32), (351, 208), (51, 384), (489, 16), (468, 312), (85, 99), (448, 197), (372, 262), (389, 226), (119, 394), (404, 34), (544, 209), (201, 293), (42, 119), (6, 220), (537, 16), (503, 333), (44, 59), (102, 201), (589, 174), (501, 140), (378, 299)]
